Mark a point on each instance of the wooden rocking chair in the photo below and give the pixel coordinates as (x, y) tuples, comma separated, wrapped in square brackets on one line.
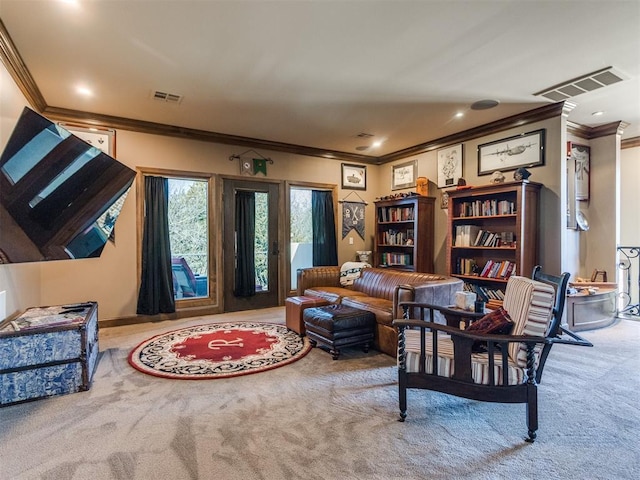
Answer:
[(441, 357)]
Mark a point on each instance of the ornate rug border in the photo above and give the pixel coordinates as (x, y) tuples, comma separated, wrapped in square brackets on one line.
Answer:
[(306, 348)]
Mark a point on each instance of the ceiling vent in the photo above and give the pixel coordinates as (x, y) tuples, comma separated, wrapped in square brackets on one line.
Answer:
[(586, 83), (364, 135), (167, 97)]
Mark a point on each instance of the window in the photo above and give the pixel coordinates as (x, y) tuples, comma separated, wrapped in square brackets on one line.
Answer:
[(262, 241), (189, 237)]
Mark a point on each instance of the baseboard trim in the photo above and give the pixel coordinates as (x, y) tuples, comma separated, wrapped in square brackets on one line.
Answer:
[(179, 314)]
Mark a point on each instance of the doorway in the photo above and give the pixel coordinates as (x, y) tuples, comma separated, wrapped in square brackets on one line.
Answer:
[(250, 244)]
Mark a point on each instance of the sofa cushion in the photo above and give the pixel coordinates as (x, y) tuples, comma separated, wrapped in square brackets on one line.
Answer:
[(379, 306), (332, 294), (380, 282)]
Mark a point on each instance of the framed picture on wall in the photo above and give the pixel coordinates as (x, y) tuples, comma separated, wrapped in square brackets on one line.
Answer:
[(354, 177), (444, 199), (99, 137), (525, 150), (581, 156), (449, 166), (404, 175)]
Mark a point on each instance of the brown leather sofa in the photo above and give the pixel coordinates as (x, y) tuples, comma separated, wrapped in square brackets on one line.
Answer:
[(380, 291)]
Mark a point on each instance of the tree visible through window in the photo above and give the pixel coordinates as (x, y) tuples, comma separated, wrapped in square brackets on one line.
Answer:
[(189, 237)]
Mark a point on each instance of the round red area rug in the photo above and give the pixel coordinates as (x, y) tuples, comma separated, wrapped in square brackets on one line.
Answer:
[(218, 350)]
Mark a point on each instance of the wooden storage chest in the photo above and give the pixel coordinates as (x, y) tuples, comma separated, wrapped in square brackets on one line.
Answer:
[(48, 351)]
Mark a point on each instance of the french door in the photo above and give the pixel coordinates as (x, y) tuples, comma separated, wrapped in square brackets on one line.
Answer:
[(250, 244)]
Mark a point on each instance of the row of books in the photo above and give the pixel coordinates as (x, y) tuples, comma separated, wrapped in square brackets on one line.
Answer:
[(390, 259), (486, 208), (466, 266), (395, 214), (485, 238), (395, 237), (491, 269), (495, 269), (474, 236), (485, 293)]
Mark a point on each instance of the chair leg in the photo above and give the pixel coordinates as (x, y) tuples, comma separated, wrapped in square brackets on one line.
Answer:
[(402, 394), (532, 412)]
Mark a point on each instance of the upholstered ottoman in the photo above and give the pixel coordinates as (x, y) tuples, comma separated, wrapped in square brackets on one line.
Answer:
[(295, 306), (336, 326)]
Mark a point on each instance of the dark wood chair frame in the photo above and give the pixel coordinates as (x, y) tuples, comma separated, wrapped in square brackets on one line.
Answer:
[(461, 383)]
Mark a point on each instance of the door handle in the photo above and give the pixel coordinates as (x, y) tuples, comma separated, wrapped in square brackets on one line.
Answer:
[(275, 250)]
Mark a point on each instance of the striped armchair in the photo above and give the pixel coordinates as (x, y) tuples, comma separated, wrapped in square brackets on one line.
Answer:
[(511, 367)]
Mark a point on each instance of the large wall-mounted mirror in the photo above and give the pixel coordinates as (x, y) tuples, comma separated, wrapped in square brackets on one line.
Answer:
[(59, 196)]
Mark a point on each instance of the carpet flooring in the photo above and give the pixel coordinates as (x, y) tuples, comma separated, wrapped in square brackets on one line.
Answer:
[(323, 419)]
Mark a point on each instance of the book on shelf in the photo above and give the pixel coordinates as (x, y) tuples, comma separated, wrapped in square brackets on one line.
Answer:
[(396, 237), (396, 259), (494, 269), (486, 294), (396, 214), (486, 208), (465, 235)]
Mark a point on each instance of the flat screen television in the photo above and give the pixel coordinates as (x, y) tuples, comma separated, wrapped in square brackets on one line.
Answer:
[(59, 195)]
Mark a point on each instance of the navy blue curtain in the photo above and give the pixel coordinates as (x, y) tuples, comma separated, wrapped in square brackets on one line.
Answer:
[(325, 245), (156, 283), (245, 273)]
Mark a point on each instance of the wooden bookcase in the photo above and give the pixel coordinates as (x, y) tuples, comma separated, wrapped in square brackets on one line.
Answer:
[(508, 212), (404, 233)]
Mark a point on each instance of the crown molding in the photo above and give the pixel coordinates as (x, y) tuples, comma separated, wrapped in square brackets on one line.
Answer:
[(630, 143), (67, 115), (19, 71), (531, 116), (589, 133)]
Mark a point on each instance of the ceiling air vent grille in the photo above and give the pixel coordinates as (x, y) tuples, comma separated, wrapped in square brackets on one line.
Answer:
[(583, 84), (167, 97)]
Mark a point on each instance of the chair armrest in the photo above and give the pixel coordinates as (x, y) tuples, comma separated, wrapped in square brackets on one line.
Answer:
[(462, 349), (453, 331), (454, 316)]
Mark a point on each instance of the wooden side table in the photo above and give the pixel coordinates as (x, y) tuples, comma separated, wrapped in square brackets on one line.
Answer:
[(294, 309)]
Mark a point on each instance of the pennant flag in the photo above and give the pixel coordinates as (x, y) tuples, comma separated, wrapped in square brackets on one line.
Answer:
[(246, 167), (353, 218), (259, 165)]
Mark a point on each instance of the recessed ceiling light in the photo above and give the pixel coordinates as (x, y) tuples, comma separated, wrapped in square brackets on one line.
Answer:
[(376, 144), (459, 115), (598, 113), (484, 104), (84, 91)]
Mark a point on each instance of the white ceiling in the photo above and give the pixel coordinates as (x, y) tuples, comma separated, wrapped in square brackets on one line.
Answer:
[(317, 73)]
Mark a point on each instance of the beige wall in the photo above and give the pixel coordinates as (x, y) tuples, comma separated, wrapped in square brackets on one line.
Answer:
[(21, 282), (117, 266), (598, 244), (630, 197), (550, 175), (629, 208), (112, 279)]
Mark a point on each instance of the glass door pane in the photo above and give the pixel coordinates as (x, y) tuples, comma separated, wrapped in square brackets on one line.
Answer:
[(189, 237), (301, 232)]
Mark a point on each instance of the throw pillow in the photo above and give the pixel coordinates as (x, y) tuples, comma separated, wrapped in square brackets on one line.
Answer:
[(497, 322)]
